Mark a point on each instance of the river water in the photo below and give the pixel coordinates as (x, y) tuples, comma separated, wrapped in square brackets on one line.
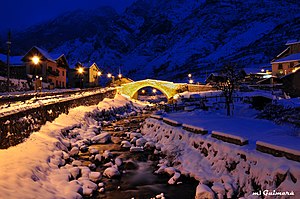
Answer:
[(138, 179)]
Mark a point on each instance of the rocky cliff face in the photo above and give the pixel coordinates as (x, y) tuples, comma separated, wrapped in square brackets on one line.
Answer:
[(167, 39)]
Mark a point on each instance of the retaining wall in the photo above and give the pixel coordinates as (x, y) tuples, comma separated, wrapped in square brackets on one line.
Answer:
[(16, 127)]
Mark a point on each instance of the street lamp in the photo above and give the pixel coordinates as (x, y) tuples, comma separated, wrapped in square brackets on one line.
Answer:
[(36, 60), (143, 91), (120, 76), (190, 78), (80, 71), (99, 73), (154, 90), (109, 75)]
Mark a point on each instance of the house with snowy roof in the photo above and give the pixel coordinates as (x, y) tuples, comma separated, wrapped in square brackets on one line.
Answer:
[(288, 60), (291, 83), (87, 77), (51, 67), (17, 67)]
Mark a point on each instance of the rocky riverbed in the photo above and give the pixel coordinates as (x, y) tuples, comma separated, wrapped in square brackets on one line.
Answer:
[(112, 159)]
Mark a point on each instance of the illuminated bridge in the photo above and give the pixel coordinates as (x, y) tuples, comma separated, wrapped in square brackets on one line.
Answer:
[(169, 89)]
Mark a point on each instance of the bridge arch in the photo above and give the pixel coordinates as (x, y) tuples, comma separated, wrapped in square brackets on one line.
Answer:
[(169, 89)]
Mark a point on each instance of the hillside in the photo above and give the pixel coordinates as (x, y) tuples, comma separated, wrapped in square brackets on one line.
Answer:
[(168, 39)]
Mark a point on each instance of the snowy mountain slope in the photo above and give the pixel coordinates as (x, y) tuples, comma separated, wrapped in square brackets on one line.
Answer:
[(167, 39)]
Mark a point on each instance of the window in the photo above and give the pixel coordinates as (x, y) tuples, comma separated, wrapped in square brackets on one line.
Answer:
[(279, 66), (56, 83), (291, 64), (63, 73)]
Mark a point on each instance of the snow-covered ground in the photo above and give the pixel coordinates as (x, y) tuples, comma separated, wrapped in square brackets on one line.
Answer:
[(31, 169), (222, 169), (242, 123), (41, 101)]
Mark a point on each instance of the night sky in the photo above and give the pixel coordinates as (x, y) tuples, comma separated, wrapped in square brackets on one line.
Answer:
[(19, 14)]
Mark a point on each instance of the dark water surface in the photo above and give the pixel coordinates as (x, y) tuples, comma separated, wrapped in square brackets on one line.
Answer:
[(140, 182)]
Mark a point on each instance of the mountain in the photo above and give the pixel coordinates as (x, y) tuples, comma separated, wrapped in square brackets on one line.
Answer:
[(166, 39)]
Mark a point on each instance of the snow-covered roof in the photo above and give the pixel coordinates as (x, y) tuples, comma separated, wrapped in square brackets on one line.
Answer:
[(292, 57), (49, 56), (13, 60), (293, 41)]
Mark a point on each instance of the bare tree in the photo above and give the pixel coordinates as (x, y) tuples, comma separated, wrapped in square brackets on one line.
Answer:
[(231, 78)]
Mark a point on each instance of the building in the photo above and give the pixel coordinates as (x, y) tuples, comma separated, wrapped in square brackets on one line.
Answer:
[(17, 67), (288, 60), (291, 83), (51, 67), (83, 77)]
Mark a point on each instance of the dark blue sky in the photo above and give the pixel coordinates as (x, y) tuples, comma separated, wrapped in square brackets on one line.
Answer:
[(18, 14)]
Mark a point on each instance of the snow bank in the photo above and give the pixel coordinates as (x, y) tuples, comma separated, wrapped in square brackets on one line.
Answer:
[(229, 138), (226, 169), (28, 170)]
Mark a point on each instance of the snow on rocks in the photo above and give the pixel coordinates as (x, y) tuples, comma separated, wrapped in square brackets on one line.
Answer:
[(136, 149), (149, 145), (74, 151), (125, 144), (174, 178), (203, 191), (107, 154), (75, 171), (118, 161), (98, 158), (219, 189), (134, 134), (95, 176), (77, 163), (88, 187), (140, 142), (102, 138), (111, 172), (93, 151)]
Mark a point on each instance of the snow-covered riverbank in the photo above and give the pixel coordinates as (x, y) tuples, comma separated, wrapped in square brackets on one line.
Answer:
[(33, 169), (221, 168)]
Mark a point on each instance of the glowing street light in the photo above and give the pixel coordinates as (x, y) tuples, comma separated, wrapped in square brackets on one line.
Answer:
[(109, 75), (120, 76), (191, 81), (35, 60), (80, 70), (154, 90), (99, 73), (190, 75), (143, 91)]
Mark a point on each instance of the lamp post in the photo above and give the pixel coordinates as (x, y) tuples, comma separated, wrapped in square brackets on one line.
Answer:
[(36, 60), (98, 76), (109, 75), (190, 78), (80, 72), (8, 54)]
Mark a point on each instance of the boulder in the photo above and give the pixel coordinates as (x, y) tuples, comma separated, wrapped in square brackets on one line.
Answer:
[(111, 172)]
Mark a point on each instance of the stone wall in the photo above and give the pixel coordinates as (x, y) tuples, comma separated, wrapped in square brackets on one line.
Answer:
[(16, 127)]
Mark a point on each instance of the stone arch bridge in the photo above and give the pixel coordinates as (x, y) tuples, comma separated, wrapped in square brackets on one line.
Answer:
[(169, 89)]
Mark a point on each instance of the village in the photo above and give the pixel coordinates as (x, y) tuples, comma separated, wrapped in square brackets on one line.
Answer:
[(41, 69)]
